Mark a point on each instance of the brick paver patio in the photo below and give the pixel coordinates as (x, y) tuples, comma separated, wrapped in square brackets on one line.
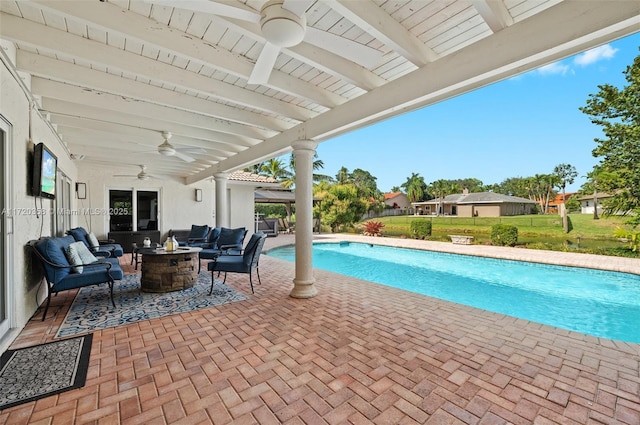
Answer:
[(356, 353)]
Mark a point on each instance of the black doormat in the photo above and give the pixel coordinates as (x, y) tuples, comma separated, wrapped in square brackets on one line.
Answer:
[(31, 373)]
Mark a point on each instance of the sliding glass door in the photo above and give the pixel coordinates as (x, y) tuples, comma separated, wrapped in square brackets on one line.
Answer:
[(133, 210)]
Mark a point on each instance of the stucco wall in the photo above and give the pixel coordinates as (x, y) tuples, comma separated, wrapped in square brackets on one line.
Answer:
[(487, 210), (26, 288), (177, 207), (242, 209)]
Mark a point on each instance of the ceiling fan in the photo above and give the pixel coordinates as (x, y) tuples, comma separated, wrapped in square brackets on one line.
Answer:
[(283, 24), (167, 149), (142, 175)]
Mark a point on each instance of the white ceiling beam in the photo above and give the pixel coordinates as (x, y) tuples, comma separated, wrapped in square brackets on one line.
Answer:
[(146, 136), (494, 13), (378, 23), (101, 82), (66, 99), (62, 42), (97, 114), (110, 17), (578, 26), (57, 108), (87, 138), (72, 121)]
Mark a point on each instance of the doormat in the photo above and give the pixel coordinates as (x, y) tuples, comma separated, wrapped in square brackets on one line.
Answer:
[(32, 373), (92, 310)]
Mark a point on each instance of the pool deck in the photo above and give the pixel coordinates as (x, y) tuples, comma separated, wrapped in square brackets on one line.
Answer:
[(357, 353)]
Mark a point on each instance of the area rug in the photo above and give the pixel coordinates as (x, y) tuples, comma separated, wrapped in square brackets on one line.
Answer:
[(92, 310), (31, 373)]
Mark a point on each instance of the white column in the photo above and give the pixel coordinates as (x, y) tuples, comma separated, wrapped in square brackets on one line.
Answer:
[(222, 201), (304, 151)]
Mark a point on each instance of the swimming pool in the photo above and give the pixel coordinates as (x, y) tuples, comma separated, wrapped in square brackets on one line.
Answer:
[(594, 302)]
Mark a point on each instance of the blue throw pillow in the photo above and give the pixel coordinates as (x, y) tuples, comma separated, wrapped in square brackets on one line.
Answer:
[(199, 232), (80, 235), (214, 235), (233, 237)]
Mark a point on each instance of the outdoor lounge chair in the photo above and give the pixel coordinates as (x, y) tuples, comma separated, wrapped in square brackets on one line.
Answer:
[(244, 263)]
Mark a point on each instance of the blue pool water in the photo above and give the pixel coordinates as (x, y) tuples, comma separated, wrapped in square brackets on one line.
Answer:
[(594, 302)]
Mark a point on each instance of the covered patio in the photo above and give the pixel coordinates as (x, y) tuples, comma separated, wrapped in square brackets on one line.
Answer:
[(356, 353), (184, 94)]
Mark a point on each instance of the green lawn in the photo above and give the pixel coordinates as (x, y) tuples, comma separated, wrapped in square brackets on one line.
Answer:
[(534, 231)]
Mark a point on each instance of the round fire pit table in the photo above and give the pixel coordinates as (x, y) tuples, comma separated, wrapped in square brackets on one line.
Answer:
[(166, 271)]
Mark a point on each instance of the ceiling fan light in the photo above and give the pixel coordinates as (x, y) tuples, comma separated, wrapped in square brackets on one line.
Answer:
[(166, 149), (280, 26)]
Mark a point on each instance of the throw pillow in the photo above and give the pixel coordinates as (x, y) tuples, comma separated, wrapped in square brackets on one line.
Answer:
[(93, 241), (233, 237), (78, 254), (80, 235), (214, 235), (198, 232)]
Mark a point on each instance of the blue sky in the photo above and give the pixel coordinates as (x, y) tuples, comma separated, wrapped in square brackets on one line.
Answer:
[(519, 127)]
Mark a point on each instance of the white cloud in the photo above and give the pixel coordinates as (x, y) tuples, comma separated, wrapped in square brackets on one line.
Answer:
[(595, 55), (554, 68)]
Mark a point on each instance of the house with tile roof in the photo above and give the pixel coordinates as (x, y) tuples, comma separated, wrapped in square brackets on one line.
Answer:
[(396, 200), (554, 205), (481, 204)]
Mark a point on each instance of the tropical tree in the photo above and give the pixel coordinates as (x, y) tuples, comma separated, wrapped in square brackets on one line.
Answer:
[(415, 188), (471, 184), (395, 189), (341, 205), (513, 186), (365, 182), (565, 174), (440, 188), (617, 111), (343, 175), (318, 164), (275, 169)]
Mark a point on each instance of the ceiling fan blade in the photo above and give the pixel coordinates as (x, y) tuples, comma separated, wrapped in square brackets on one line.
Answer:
[(185, 158), (356, 52), (193, 151), (299, 7), (212, 7), (264, 65)]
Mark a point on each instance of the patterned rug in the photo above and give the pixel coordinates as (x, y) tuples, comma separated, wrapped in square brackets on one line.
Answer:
[(31, 373), (92, 310)]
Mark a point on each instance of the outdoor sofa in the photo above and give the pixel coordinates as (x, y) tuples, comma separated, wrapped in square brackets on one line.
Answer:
[(68, 264)]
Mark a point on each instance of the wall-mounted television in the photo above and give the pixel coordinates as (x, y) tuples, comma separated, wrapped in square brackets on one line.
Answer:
[(45, 168)]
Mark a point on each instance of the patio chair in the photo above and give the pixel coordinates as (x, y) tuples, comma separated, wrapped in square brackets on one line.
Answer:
[(244, 263)]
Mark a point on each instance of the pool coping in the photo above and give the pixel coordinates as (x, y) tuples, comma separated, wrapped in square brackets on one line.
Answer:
[(559, 258)]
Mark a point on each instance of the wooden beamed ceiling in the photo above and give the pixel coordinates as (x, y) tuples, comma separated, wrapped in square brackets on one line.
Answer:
[(116, 74)]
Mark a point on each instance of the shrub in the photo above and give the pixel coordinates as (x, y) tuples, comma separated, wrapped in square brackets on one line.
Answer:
[(421, 229), (633, 238), (373, 228), (504, 235)]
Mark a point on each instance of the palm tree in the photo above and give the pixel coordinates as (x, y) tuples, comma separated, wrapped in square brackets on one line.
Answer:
[(440, 189), (415, 187), (343, 175), (318, 164), (275, 169)]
